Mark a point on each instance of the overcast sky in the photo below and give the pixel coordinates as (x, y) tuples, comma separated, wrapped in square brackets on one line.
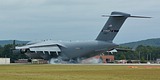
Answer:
[(76, 19)]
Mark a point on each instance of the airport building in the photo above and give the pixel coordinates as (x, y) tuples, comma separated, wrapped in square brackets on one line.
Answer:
[(33, 61), (4, 60), (158, 61), (39, 61), (99, 59), (106, 58), (21, 61)]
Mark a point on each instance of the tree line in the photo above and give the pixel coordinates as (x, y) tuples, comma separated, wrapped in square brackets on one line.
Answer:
[(143, 53), (6, 52)]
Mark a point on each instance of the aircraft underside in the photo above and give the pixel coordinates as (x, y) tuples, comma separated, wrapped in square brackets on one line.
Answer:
[(42, 55)]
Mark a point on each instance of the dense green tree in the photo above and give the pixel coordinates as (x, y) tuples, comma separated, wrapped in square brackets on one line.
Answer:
[(6, 52), (122, 57), (142, 53)]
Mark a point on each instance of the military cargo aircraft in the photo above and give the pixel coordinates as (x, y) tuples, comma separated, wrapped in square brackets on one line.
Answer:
[(68, 51)]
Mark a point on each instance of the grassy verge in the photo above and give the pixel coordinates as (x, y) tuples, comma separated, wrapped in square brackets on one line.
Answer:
[(78, 72)]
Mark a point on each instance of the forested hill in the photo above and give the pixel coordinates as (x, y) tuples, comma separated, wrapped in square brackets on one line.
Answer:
[(149, 42), (5, 42)]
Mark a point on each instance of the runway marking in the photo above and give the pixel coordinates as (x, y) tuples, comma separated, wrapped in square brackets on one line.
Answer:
[(145, 67)]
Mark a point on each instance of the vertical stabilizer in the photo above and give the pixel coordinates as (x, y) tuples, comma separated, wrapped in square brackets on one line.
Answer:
[(112, 26)]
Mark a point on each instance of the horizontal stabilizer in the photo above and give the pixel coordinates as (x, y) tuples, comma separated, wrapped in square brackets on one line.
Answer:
[(112, 15), (139, 17), (125, 16)]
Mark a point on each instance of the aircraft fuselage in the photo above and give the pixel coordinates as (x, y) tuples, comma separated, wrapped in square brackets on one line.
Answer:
[(69, 50)]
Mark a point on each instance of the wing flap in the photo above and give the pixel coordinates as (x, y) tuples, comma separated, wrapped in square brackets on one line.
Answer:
[(47, 48)]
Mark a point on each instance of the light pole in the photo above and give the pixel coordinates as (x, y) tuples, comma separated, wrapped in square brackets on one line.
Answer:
[(139, 57), (150, 57), (147, 57)]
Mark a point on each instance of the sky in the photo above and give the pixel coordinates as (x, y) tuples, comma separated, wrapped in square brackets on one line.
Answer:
[(77, 20)]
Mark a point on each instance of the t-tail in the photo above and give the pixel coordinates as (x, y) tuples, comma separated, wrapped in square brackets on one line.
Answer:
[(113, 25)]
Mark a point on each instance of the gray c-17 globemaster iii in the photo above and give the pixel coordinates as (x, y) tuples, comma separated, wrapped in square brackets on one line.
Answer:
[(66, 51)]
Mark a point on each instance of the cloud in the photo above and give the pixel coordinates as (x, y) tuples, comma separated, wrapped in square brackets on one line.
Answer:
[(21, 2), (54, 18)]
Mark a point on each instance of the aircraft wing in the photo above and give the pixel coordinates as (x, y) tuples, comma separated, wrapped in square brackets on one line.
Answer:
[(123, 50), (40, 47), (120, 50), (45, 48)]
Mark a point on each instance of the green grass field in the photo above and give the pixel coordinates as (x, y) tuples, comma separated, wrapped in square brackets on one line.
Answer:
[(78, 72)]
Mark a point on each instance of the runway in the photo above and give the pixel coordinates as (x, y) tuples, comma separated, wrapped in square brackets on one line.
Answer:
[(103, 64), (113, 64)]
